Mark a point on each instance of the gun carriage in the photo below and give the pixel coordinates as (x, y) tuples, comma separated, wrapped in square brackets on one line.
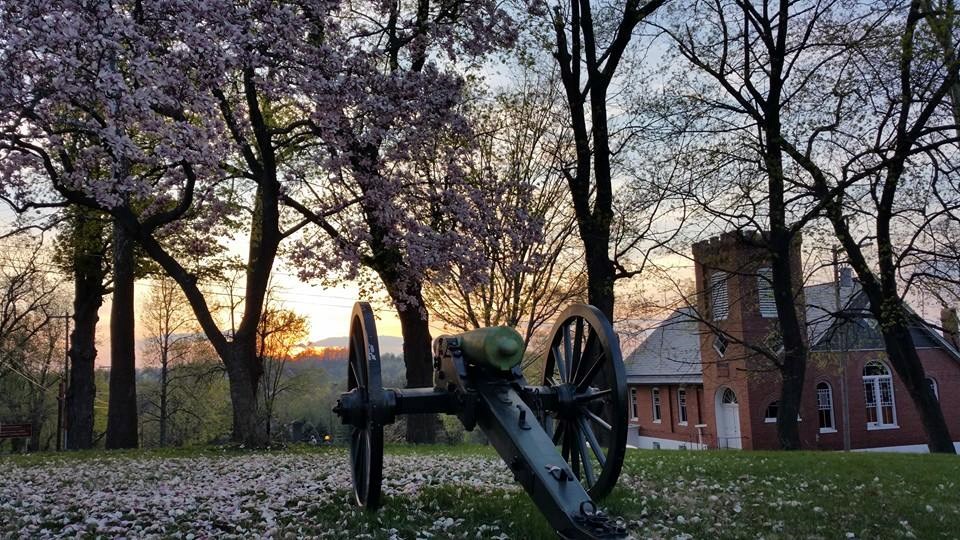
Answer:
[(563, 439)]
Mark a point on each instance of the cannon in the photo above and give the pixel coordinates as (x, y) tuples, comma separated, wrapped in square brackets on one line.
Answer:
[(563, 439)]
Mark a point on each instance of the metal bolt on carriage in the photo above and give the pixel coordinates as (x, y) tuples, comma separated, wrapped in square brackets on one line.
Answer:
[(563, 439)]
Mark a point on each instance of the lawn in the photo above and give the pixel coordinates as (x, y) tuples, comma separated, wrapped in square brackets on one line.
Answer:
[(465, 492)]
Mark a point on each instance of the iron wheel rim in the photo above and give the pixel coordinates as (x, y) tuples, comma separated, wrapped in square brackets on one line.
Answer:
[(584, 363), (363, 375)]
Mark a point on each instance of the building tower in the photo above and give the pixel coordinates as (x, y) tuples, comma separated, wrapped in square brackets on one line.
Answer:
[(736, 310)]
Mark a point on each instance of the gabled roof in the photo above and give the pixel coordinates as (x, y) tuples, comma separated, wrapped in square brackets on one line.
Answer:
[(860, 327), (670, 354)]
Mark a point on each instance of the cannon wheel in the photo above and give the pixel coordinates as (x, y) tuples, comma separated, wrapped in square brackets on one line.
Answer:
[(366, 442), (585, 367)]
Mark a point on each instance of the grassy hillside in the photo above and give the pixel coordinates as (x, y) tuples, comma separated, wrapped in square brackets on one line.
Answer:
[(465, 492)]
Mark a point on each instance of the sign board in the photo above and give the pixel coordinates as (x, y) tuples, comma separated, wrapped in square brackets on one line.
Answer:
[(16, 431)]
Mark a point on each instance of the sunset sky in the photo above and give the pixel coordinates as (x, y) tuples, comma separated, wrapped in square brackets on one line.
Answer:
[(328, 311)]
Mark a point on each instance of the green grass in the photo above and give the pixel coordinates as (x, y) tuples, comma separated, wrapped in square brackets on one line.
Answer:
[(791, 495), (662, 494)]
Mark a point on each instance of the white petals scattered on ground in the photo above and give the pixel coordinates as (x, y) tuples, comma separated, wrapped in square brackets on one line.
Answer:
[(234, 495)]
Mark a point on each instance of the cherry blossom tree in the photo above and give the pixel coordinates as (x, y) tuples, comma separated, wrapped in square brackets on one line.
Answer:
[(169, 116), (534, 265), (388, 187), (95, 113)]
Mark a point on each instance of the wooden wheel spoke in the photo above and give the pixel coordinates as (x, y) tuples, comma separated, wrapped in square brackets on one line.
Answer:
[(600, 421), (585, 458), (588, 346), (592, 440), (567, 352), (558, 432), (577, 357), (353, 369), (559, 367), (598, 362), (591, 396)]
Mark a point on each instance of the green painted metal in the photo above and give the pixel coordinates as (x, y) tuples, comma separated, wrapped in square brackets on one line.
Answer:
[(499, 347)]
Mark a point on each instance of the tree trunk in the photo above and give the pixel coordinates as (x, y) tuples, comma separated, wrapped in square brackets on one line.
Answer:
[(122, 411), (887, 308), (902, 353), (164, 374), (418, 359), (600, 272), (37, 420), (793, 373), (244, 373), (87, 299), (88, 266), (794, 364)]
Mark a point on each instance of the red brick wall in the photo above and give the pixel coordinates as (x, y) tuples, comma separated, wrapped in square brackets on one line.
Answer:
[(937, 364), (669, 426), (824, 367)]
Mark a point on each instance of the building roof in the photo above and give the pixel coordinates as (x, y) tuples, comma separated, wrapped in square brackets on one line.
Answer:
[(822, 306), (856, 329), (670, 354)]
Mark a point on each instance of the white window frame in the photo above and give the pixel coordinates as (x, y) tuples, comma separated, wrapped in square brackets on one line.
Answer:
[(657, 412), (768, 419), (773, 419), (873, 385), (766, 303), (829, 407), (719, 295), (936, 387), (682, 406), (719, 340), (634, 404)]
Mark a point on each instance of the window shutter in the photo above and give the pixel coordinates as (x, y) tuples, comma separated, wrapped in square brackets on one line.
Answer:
[(768, 306), (719, 296)]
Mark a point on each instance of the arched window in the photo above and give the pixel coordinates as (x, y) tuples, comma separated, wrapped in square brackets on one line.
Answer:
[(878, 396), (634, 406), (932, 383), (656, 405), (770, 416), (729, 397), (825, 408)]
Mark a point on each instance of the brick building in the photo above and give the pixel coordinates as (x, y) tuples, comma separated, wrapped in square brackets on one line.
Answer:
[(694, 384)]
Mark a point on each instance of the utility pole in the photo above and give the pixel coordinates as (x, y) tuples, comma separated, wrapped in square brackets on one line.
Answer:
[(842, 335), (64, 384)]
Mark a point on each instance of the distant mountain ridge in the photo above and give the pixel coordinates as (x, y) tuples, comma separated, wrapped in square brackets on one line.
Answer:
[(388, 344)]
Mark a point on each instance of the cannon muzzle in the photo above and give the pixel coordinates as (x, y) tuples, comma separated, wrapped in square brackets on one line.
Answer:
[(497, 347)]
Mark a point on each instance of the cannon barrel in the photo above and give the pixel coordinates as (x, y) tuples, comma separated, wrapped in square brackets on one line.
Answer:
[(497, 347)]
